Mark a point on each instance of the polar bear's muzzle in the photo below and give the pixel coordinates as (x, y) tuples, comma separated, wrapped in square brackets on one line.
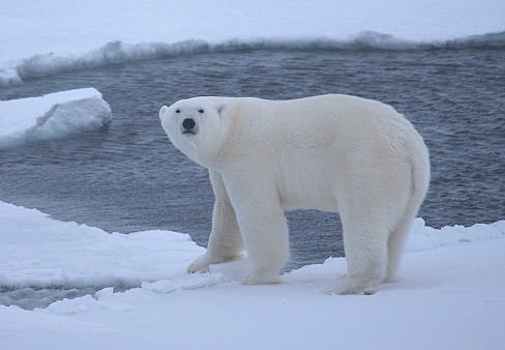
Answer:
[(189, 126)]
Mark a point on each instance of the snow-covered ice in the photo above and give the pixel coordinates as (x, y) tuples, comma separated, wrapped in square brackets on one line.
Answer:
[(452, 295), (52, 115), (40, 38), (88, 256)]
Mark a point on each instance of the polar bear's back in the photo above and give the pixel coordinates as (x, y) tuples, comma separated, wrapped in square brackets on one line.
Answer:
[(318, 121)]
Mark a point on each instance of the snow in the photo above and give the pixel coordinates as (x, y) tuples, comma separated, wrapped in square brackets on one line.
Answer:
[(144, 261), (40, 38), (52, 116), (451, 295), (136, 292)]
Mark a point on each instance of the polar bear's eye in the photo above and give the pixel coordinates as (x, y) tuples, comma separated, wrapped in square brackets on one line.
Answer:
[(201, 110), (177, 111)]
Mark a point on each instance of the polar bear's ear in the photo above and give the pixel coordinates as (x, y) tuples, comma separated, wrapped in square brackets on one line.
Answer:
[(221, 109), (163, 111)]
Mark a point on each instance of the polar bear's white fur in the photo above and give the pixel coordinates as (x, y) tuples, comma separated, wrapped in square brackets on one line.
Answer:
[(337, 153)]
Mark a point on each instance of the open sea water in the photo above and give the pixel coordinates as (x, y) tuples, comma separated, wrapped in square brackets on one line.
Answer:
[(129, 177)]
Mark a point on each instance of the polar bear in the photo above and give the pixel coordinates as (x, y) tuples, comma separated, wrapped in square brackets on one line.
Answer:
[(335, 153)]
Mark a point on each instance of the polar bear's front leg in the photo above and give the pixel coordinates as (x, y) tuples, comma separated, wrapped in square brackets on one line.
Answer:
[(225, 241), (263, 226)]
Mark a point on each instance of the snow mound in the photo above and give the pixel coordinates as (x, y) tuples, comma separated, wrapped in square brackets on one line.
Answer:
[(51, 116), (423, 237)]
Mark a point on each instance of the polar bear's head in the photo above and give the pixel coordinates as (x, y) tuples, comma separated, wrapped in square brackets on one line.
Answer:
[(196, 126)]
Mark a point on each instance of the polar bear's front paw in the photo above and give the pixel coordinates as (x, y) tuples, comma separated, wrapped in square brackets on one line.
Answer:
[(200, 264)]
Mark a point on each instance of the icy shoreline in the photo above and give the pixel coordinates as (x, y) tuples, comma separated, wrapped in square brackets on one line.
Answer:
[(40, 65), (41, 39)]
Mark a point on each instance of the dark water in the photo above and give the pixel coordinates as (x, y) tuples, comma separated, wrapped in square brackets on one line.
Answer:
[(130, 178)]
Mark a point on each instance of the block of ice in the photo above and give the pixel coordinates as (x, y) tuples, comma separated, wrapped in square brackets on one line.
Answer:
[(50, 116)]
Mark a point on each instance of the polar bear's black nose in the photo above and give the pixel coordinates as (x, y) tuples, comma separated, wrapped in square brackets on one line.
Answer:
[(188, 124)]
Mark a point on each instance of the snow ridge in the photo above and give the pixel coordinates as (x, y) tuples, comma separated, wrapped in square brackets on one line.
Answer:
[(41, 65)]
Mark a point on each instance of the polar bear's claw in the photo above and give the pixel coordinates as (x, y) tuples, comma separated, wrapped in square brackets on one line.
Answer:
[(199, 265)]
